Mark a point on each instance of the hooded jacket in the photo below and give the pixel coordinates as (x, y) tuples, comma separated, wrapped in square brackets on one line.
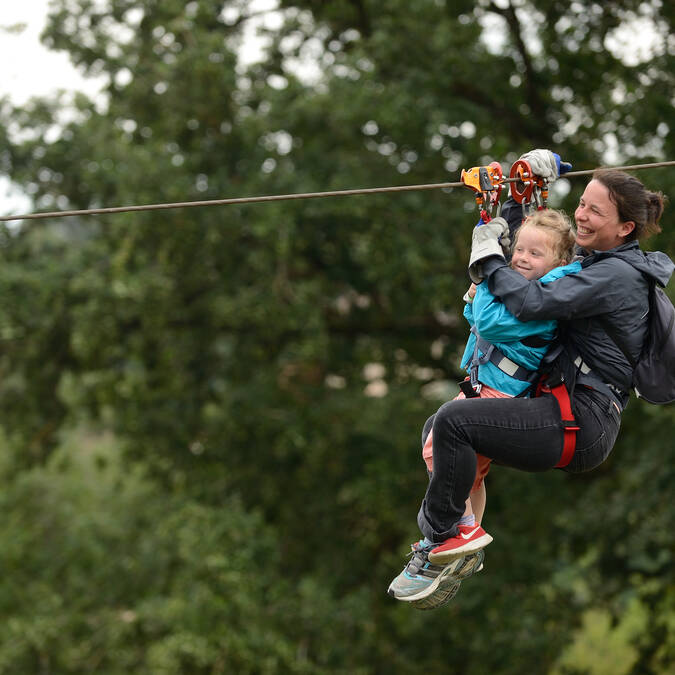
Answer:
[(612, 287)]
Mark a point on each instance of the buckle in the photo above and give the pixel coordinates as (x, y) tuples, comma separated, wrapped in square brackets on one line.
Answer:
[(555, 381), (468, 389)]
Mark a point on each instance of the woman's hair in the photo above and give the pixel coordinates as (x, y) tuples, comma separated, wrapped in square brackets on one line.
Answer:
[(559, 227), (633, 201)]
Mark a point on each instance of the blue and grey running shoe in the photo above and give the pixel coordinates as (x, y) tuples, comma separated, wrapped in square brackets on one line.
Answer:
[(441, 596), (449, 586), (420, 578)]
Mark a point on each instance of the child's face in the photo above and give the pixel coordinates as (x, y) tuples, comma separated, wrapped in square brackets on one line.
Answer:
[(533, 254)]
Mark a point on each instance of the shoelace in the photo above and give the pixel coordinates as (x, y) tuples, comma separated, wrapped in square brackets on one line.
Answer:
[(418, 555)]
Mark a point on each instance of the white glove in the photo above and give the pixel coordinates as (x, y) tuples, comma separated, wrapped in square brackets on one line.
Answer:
[(491, 238), (543, 163)]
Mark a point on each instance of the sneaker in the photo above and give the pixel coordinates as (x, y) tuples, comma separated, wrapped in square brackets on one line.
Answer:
[(420, 578), (441, 597), (449, 587), (469, 539)]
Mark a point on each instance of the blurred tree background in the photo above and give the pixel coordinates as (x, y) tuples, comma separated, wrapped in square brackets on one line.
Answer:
[(210, 418)]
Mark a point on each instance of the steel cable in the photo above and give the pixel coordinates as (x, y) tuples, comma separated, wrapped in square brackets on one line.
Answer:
[(302, 195)]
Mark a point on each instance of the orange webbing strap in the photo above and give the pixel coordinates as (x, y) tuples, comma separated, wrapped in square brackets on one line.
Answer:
[(570, 427)]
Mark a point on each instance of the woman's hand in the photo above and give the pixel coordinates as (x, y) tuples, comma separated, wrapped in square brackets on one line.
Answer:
[(546, 164)]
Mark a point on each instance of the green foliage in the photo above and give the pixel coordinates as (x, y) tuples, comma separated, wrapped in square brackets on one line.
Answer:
[(110, 574), (265, 370)]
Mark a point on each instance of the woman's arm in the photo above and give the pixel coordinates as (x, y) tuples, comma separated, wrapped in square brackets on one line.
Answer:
[(495, 323), (597, 289)]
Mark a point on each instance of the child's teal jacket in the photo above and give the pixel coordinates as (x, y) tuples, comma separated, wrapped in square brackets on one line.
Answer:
[(497, 325)]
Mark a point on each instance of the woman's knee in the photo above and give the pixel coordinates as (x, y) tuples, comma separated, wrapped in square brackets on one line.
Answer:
[(447, 416)]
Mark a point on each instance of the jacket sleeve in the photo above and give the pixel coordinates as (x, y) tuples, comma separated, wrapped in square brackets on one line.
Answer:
[(468, 313), (495, 323), (597, 289)]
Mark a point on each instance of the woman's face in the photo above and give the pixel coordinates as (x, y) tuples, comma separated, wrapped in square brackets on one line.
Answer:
[(597, 220)]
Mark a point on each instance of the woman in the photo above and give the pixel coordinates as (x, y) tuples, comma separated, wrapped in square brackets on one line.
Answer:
[(528, 433)]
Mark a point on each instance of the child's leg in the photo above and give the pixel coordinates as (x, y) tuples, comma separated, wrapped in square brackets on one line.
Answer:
[(469, 516), (478, 495), (428, 451), (477, 500)]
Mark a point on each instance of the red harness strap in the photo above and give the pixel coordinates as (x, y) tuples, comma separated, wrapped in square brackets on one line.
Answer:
[(570, 427)]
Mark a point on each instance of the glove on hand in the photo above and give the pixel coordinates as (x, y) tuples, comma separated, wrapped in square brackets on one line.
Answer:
[(491, 238), (546, 164)]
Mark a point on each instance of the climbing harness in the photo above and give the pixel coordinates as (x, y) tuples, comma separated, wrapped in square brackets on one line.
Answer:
[(484, 352), (556, 385), (552, 382)]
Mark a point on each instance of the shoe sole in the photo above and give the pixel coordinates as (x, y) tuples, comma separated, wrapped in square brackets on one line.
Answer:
[(469, 565), (440, 598), (450, 585), (450, 575), (444, 557)]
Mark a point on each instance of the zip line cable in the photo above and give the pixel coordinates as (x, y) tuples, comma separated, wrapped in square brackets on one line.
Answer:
[(300, 195)]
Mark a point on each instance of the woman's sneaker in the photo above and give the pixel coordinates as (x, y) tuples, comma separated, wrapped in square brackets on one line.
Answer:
[(420, 578), (449, 587), (469, 539), (440, 597)]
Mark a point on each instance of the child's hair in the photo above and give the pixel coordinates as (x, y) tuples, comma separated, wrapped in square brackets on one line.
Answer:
[(559, 226), (633, 201)]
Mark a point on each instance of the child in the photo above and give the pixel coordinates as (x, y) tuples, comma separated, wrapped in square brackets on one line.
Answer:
[(501, 355)]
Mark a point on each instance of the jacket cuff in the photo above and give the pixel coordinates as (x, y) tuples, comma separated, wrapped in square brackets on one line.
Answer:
[(492, 264)]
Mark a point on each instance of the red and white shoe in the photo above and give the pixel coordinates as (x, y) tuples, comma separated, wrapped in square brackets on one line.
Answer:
[(469, 539)]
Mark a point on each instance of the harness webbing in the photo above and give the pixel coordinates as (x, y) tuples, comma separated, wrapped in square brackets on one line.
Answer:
[(559, 390), (570, 427)]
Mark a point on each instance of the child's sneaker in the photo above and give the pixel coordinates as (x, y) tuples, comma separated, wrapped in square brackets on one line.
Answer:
[(469, 539), (419, 577)]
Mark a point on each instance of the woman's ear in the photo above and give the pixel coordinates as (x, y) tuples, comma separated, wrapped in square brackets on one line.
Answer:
[(626, 228)]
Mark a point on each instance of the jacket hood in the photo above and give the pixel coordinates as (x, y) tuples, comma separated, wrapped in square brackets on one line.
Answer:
[(654, 265)]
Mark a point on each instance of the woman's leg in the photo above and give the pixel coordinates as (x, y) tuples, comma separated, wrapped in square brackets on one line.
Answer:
[(523, 433)]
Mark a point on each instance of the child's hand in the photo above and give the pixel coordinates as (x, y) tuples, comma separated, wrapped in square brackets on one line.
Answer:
[(470, 294)]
